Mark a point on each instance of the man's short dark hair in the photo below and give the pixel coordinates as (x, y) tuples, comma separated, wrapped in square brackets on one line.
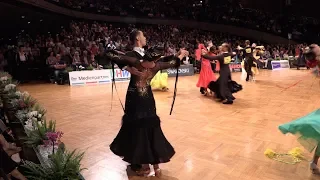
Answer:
[(213, 49), (133, 35)]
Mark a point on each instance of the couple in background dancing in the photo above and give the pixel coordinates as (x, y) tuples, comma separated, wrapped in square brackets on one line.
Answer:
[(207, 79)]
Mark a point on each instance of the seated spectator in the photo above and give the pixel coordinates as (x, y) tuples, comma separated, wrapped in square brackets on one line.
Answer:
[(93, 62), (85, 58), (60, 72), (51, 59), (8, 166), (76, 59), (9, 148)]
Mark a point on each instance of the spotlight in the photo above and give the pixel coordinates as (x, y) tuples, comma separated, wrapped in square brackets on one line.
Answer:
[(29, 22), (22, 17)]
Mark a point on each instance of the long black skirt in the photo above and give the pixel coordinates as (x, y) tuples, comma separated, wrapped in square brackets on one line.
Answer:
[(234, 87), (141, 141)]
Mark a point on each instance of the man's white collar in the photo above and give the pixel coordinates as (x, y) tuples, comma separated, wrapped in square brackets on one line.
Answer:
[(139, 50)]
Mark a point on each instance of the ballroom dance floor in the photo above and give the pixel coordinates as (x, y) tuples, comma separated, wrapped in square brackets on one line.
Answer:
[(212, 141)]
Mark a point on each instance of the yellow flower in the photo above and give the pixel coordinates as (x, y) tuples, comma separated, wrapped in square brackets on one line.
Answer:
[(296, 152), (269, 153)]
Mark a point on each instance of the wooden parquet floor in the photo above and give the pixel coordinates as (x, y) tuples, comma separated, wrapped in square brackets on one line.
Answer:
[(212, 141)]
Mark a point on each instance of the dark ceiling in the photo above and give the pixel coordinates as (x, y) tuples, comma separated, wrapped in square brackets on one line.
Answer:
[(17, 19), (298, 7)]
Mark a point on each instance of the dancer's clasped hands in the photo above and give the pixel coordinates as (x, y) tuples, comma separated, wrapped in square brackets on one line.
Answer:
[(203, 52), (182, 53)]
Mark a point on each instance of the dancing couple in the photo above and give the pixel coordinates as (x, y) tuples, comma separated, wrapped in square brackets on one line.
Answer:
[(206, 72), (223, 91), (140, 140), (251, 55)]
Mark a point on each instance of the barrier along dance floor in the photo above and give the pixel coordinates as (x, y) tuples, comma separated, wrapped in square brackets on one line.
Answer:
[(212, 140)]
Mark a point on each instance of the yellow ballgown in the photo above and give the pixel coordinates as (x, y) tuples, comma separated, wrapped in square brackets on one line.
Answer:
[(160, 80)]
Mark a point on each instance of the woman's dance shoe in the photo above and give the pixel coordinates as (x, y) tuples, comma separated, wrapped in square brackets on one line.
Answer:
[(314, 168)]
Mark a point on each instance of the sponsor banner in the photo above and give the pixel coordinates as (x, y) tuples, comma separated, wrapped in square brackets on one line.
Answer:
[(235, 67), (89, 77), (184, 70), (282, 64)]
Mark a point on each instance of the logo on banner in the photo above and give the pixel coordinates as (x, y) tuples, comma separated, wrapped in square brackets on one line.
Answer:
[(184, 70), (235, 67), (121, 75), (181, 71), (276, 65)]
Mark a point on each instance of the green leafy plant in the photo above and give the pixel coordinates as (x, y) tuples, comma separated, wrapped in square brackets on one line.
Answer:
[(90, 68), (41, 110), (69, 69), (37, 136), (62, 165), (107, 67), (28, 102)]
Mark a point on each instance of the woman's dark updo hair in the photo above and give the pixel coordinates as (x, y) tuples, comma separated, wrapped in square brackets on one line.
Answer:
[(226, 45)]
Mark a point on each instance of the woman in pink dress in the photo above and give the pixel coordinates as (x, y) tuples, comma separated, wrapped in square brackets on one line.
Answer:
[(206, 73)]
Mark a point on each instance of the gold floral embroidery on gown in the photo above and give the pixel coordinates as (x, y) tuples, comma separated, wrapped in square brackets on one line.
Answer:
[(144, 81)]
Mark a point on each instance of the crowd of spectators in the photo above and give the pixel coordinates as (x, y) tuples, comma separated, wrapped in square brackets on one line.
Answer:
[(83, 45), (224, 13)]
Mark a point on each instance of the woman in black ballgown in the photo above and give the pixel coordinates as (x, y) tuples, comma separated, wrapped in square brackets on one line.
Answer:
[(140, 140)]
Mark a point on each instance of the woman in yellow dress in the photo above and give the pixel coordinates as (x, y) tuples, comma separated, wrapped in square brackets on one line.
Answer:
[(160, 81)]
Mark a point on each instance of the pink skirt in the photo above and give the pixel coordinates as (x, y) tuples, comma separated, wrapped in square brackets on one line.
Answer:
[(206, 74)]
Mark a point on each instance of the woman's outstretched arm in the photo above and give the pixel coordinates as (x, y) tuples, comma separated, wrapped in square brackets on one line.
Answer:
[(122, 60)]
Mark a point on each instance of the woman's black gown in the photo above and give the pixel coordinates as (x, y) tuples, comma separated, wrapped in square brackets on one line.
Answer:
[(140, 139), (225, 74)]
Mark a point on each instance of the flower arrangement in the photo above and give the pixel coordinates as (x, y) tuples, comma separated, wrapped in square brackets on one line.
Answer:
[(5, 79), (37, 133), (53, 139), (10, 87), (41, 134)]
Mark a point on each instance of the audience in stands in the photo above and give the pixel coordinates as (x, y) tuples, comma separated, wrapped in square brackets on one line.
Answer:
[(83, 45), (225, 12)]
